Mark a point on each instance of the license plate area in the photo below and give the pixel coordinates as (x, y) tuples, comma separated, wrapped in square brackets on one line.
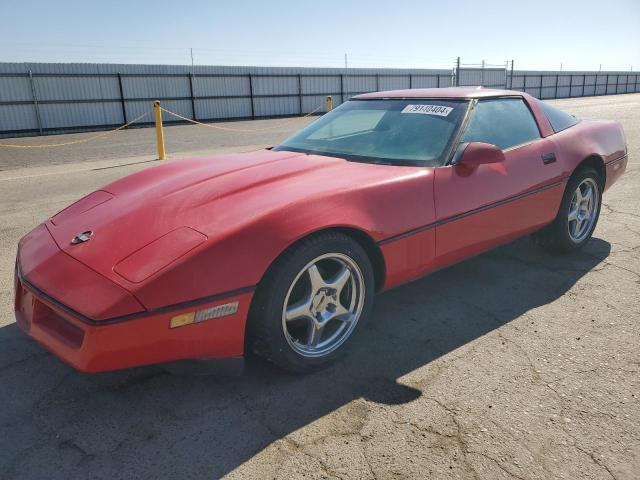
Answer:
[(31, 312), (56, 325), (24, 301)]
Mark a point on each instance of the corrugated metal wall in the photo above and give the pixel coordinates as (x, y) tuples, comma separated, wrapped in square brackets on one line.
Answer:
[(488, 77), (63, 97), (74, 97), (551, 84)]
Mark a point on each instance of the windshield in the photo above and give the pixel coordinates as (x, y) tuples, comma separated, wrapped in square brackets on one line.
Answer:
[(395, 132)]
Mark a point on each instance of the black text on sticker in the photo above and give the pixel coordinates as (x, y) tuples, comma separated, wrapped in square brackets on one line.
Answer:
[(428, 110)]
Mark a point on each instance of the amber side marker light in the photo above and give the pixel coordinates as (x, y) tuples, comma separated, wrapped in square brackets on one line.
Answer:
[(203, 315)]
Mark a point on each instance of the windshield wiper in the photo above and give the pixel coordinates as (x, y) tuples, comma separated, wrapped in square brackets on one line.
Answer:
[(346, 156), (370, 160)]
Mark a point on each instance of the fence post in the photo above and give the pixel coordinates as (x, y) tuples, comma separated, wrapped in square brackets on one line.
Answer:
[(253, 112), (159, 133), (541, 75), (342, 88), (570, 85), (457, 74), (377, 82), (555, 94), (193, 98), (506, 74), (617, 80), (511, 77), (584, 79), (35, 101), (410, 81), (122, 102), (300, 94), (606, 87)]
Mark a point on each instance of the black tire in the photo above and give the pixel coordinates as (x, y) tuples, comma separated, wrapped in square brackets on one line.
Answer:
[(556, 237), (265, 328)]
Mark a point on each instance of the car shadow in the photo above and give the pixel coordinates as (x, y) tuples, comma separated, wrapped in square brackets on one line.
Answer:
[(147, 422)]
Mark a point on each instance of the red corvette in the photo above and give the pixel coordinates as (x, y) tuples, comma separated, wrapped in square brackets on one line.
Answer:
[(281, 251)]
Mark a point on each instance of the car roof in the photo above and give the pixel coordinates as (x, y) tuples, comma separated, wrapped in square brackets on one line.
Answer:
[(447, 92)]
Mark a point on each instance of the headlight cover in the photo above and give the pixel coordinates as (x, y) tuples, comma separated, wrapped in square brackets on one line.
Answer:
[(158, 254)]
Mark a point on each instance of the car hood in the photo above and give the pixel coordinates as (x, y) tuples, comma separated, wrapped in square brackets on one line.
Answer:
[(182, 205)]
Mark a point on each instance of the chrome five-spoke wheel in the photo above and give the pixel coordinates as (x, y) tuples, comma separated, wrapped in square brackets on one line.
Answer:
[(577, 215), (583, 210), (323, 305), (312, 302)]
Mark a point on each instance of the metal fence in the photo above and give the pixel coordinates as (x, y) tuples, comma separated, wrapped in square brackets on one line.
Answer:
[(54, 98), (552, 85), (547, 85), (487, 77), (50, 98)]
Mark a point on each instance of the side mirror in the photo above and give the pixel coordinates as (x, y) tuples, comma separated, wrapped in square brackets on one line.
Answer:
[(476, 153)]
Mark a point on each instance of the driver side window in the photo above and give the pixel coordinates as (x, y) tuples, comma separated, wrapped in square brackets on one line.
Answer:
[(505, 122)]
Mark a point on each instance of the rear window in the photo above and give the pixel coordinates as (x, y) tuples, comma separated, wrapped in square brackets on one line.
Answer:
[(559, 120)]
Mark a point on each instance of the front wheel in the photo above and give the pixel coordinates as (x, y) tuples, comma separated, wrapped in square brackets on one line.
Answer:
[(311, 302), (578, 214)]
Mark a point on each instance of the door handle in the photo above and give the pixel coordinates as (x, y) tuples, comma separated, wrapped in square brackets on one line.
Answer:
[(548, 158)]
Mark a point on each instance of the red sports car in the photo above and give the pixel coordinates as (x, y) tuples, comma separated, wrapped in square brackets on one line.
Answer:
[(281, 251)]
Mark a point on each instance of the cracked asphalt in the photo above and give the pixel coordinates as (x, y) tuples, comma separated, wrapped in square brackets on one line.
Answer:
[(515, 364)]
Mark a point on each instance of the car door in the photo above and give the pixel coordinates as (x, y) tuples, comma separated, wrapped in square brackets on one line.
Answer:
[(491, 204)]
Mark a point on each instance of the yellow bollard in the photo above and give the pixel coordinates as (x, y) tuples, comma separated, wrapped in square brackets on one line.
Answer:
[(159, 133), (329, 103)]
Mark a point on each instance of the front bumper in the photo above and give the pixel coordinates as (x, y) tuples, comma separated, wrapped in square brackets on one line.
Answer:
[(143, 340), (95, 325)]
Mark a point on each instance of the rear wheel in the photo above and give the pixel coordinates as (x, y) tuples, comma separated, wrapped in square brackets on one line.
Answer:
[(578, 214), (311, 302)]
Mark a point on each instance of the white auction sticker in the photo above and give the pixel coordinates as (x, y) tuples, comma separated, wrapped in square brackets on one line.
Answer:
[(428, 110)]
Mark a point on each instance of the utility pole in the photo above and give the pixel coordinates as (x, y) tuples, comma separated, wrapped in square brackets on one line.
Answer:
[(345, 61), (560, 66), (191, 49), (600, 69)]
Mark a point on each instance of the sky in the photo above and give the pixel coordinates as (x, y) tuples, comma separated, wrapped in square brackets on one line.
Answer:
[(539, 34)]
